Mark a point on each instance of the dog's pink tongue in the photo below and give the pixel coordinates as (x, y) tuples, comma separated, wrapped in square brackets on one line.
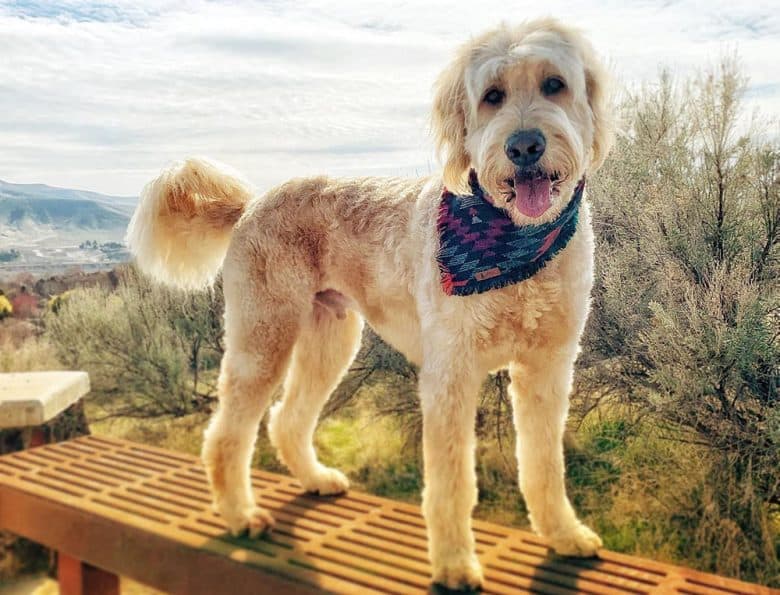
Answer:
[(533, 196)]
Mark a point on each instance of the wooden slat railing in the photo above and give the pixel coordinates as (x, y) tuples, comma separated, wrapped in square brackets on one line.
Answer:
[(145, 513)]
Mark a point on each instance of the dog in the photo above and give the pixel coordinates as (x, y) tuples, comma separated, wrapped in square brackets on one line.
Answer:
[(521, 116)]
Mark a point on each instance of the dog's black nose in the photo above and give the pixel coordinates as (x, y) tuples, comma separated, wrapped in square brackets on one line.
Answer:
[(525, 147)]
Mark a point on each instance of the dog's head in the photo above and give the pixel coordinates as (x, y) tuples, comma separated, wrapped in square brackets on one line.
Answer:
[(526, 107)]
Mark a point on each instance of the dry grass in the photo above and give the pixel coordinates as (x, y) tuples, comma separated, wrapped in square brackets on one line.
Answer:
[(47, 586), (182, 434), (21, 350)]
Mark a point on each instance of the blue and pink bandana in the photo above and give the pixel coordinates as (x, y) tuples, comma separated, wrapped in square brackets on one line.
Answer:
[(480, 247)]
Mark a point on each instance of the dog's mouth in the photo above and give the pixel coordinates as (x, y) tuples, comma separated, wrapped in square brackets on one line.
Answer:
[(532, 190)]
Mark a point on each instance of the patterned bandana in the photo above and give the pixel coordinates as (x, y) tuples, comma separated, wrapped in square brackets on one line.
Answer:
[(480, 247)]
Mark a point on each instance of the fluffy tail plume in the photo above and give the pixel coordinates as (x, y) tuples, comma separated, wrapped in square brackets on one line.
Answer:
[(181, 229)]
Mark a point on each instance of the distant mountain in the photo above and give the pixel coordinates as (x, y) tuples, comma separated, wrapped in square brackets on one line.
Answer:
[(47, 230), (32, 205)]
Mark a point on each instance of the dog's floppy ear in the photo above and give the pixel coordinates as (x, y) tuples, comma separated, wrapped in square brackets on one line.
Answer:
[(448, 122), (599, 99)]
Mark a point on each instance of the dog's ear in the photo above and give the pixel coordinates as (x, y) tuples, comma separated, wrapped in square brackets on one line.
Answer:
[(600, 101), (448, 122)]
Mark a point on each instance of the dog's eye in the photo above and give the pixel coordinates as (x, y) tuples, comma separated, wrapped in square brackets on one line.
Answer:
[(494, 97), (552, 86)]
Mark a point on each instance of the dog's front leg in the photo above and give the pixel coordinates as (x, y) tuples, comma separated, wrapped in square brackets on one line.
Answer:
[(540, 389), (448, 394)]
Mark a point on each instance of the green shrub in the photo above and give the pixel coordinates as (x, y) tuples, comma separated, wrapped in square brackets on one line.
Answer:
[(153, 348), (684, 328)]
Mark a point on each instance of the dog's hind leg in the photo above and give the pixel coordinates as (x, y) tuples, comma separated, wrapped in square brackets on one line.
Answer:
[(325, 348), (540, 389), (260, 331)]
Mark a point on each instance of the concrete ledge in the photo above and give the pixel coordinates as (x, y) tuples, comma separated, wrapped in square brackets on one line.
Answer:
[(34, 398)]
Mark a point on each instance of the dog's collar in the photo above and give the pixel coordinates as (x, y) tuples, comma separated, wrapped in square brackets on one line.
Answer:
[(481, 248)]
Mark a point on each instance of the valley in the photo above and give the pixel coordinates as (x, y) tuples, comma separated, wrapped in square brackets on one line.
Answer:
[(46, 230)]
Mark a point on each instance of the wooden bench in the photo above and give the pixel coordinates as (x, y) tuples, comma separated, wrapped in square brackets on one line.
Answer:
[(145, 513)]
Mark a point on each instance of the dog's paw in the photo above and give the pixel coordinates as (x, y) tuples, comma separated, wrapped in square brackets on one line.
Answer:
[(254, 521), (461, 572), (326, 482), (578, 541)]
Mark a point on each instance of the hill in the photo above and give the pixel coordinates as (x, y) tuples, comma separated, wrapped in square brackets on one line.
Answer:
[(29, 205), (46, 230)]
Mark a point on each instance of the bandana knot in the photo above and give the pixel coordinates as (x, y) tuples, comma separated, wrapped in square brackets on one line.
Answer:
[(481, 248)]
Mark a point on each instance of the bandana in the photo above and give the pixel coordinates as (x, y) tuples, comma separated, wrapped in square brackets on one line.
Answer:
[(481, 248)]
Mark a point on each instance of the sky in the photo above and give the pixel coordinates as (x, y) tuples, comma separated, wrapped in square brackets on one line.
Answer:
[(100, 94)]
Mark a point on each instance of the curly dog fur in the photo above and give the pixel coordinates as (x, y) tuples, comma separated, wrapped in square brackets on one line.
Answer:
[(305, 264)]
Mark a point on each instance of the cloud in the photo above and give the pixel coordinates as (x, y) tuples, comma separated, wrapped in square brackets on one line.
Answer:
[(100, 95), (78, 10)]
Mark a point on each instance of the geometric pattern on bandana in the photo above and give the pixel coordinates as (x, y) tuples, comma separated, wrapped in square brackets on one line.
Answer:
[(480, 247)]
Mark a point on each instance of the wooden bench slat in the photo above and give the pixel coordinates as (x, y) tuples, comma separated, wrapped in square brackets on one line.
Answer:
[(145, 513), (560, 567)]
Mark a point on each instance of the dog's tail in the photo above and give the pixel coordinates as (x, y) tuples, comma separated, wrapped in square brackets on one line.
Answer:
[(181, 229)]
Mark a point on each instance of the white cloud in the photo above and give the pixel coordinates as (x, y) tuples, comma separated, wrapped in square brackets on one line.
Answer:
[(101, 94)]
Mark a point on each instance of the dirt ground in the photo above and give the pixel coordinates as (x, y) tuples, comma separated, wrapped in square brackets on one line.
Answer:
[(45, 586)]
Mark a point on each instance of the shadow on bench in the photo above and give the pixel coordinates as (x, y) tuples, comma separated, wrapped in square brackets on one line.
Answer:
[(145, 513)]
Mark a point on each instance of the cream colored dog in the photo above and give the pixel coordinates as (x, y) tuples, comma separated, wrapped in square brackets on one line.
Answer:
[(305, 264)]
